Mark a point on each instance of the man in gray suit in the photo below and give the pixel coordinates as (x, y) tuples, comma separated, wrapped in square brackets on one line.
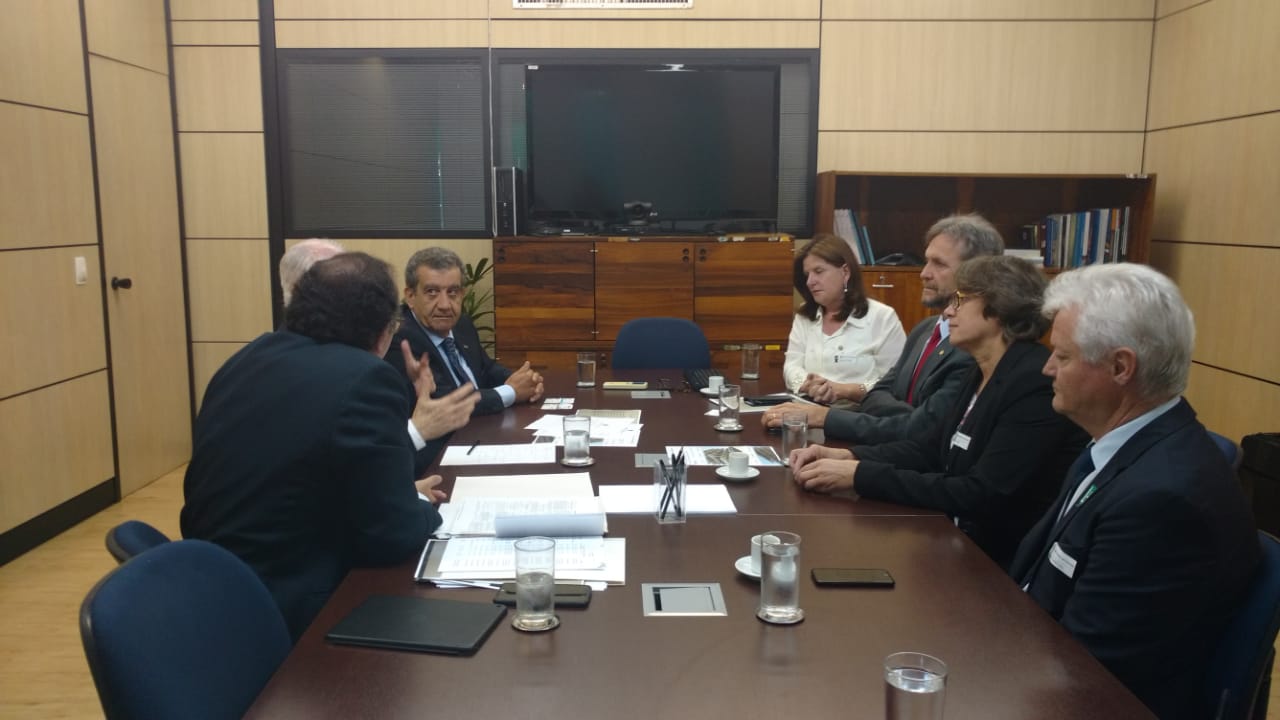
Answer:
[(927, 378)]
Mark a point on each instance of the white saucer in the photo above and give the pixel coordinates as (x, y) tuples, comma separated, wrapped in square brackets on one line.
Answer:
[(723, 471), (721, 428), (743, 565), (709, 392)]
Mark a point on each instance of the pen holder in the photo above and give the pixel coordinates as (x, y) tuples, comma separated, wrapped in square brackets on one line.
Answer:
[(669, 483)]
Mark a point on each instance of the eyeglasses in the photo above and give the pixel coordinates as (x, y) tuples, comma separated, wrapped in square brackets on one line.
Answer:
[(960, 297), (453, 291)]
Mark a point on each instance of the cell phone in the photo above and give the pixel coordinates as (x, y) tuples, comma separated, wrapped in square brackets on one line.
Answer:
[(565, 595), (853, 577), (765, 400)]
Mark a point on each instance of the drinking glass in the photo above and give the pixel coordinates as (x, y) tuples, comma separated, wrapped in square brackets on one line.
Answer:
[(780, 579), (795, 434), (535, 584), (586, 369), (730, 397), (915, 686), (750, 361), (577, 441)]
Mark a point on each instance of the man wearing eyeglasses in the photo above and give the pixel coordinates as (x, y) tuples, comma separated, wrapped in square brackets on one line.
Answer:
[(439, 333)]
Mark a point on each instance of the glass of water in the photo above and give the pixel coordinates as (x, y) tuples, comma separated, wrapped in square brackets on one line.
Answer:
[(586, 369), (780, 579), (535, 584), (751, 361), (577, 441), (915, 686), (795, 434), (730, 399)]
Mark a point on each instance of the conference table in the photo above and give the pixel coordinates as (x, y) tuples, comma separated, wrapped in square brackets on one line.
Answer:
[(1006, 657)]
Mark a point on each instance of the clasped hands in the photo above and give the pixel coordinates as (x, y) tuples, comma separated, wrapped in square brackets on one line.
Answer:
[(823, 469), (828, 391), (527, 383)]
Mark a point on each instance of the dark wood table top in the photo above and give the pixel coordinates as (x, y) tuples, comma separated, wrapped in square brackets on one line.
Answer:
[(1007, 658)]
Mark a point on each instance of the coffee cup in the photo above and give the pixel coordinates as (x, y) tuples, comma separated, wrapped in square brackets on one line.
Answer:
[(756, 554), (738, 463), (714, 383)]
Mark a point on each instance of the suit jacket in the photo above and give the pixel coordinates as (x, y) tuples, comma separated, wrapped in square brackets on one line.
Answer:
[(301, 467), (488, 373), (885, 415), (1158, 557), (1018, 452)]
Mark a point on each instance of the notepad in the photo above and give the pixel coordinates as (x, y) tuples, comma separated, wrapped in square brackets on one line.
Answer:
[(403, 622)]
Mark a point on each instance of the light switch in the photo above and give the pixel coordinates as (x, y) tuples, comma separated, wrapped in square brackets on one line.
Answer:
[(82, 270)]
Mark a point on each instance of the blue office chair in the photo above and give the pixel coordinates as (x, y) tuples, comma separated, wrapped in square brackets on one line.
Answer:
[(1229, 448), (660, 342), (1240, 672), (132, 537), (183, 630)]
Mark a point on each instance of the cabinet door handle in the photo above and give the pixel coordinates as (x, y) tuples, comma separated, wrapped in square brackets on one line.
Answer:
[(119, 283), (880, 285)]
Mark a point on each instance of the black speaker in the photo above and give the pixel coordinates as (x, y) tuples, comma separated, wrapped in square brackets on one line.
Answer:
[(508, 201)]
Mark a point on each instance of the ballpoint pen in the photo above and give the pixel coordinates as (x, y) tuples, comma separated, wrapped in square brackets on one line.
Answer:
[(473, 447)]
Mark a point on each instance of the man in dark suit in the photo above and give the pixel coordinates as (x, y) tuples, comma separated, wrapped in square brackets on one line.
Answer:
[(1150, 546), (301, 464), (445, 339), (917, 392)]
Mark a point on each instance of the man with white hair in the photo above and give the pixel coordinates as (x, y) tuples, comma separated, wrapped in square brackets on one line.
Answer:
[(1150, 545), (298, 259)]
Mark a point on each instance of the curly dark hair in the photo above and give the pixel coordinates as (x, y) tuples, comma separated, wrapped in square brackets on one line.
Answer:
[(349, 299), (1012, 292), (835, 251)]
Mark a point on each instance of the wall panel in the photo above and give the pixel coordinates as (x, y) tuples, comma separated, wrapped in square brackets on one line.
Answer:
[(229, 286), (381, 33), (220, 10), (56, 444), (64, 338), (1216, 60), (1218, 182), (1012, 76), (701, 10), (218, 88), (654, 34), (227, 32), (206, 358), (131, 31), (1223, 287), (42, 56), (46, 179), (224, 185), (1233, 405), (1168, 7), (960, 152), (987, 9), (381, 9)]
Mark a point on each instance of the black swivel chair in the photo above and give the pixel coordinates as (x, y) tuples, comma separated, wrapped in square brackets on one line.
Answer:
[(1238, 683), (658, 343)]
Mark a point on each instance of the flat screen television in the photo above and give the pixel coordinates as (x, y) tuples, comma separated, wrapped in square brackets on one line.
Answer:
[(652, 147)]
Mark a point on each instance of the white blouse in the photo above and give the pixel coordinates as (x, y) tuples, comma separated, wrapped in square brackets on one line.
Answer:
[(860, 351)]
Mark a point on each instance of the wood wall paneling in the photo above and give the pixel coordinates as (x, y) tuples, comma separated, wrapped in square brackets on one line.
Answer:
[(984, 75), (1168, 7), (701, 10), (56, 444), (206, 358), (140, 240), (1218, 182), (220, 10), (990, 152), (46, 179), (53, 328), (636, 33), (381, 33), (1232, 404), (1232, 291), (224, 185), (1216, 60), (229, 286), (380, 9), (987, 9), (218, 88), (42, 55), (128, 30), (226, 32)]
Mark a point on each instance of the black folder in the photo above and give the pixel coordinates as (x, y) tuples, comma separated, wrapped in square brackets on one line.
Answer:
[(401, 622)]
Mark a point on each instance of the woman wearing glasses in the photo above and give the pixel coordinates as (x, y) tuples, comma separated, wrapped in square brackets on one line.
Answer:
[(841, 341), (998, 459)]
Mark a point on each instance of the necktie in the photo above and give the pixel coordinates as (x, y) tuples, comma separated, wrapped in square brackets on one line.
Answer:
[(929, 347), (455, 361), (1080, 470)]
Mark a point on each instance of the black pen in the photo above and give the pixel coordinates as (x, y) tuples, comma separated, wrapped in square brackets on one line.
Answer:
[(473, 447)]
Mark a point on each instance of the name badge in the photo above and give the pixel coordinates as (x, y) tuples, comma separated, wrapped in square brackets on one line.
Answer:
[(1061, 560), (960, 440)]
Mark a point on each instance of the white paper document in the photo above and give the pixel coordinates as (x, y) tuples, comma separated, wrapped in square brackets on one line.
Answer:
[(555, 516), (761, 455), (586, 559), (699, 499), (550, 485), (521, 454), (605, 432)]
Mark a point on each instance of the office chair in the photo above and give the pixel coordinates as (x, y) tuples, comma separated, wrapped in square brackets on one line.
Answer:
[(1239, 678), (660, 342), (132, 537), (183, 630), (1229, 448)]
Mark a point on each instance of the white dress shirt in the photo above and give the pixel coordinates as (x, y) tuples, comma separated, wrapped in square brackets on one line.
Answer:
[(860, 351)]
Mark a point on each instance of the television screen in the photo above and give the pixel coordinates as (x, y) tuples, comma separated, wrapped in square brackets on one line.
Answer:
[(696, 146)]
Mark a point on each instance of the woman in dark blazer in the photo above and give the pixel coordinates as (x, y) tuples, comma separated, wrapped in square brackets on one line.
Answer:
[(997, 460)]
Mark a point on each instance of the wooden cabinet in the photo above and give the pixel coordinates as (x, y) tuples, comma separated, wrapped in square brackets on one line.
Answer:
[(899, 288), (556, 296)]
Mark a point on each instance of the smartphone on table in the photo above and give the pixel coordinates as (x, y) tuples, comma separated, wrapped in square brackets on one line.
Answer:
[(853, 577)]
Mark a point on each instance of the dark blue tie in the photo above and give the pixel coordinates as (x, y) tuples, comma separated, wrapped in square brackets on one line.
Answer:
[(455, 362), (1080, 469)]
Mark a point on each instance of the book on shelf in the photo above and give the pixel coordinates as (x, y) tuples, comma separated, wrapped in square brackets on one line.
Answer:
[(1071, 240)]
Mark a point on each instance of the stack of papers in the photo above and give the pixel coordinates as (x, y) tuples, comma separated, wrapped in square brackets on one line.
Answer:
[(467, 560), (556, 505), (605, 431)]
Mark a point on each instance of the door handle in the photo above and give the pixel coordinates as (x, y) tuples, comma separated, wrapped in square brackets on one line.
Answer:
[(119, 283)]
